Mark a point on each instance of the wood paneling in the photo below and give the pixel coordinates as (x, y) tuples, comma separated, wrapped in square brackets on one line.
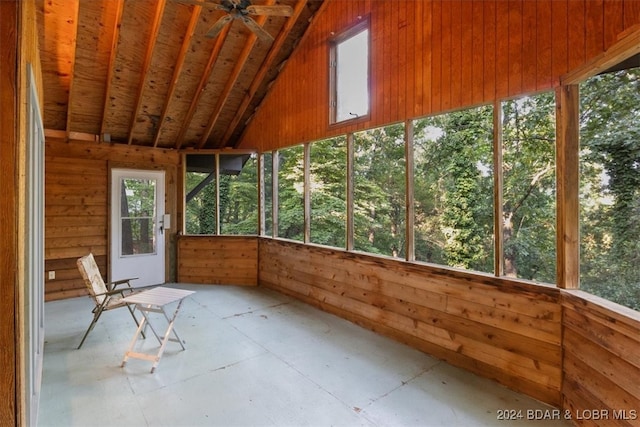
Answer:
[(18, 48), (9, 260), (460, 53), (426, 56), (601, 359), (77, 205), (220, 260), (503, 330)]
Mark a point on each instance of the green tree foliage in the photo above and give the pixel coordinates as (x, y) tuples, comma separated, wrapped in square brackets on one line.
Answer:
[(239, 200), (238, 197), (328, 170), (200, 215), (453, 182), (379, 191), (453, 190), (529, 194), (291, 193), (610, 186)]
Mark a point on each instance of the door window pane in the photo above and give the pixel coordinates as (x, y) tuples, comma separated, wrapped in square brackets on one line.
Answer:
[(138, 216)]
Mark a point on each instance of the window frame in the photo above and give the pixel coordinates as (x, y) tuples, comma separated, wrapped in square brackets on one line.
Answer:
[(499, 163), (337, 39), (216, 182)]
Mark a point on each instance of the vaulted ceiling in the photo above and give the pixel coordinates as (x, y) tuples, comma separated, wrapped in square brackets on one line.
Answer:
[(145, 72)]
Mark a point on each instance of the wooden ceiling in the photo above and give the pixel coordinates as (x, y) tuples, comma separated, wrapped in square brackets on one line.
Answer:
[(143, 72)]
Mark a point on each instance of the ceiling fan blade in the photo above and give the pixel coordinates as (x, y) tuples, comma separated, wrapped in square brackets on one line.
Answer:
[(218, 26), (257, 29), (204, 3), (274, 10)]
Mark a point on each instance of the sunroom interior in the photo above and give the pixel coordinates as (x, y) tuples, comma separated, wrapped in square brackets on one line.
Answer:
[(478, 202)]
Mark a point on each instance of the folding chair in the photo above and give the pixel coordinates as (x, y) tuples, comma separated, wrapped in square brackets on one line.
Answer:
[(106, 296)]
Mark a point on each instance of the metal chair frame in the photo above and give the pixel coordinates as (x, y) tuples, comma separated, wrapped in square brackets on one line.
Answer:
[(109, 297)]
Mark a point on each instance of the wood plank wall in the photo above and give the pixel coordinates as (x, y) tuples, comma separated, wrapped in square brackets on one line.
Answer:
[(427, 57), (601, 349), (431, 56), (10, 260), (29, 365), (219, 260), (507, 331), (77, 205)]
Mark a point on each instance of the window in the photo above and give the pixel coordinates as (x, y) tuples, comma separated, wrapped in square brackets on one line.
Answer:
[(291, 193), (453, 189), (328, 187), (223, 201), (379, 191), (200, 194), (238, 194), (349, 70), (529, 193), (610, 186), (138, 216)]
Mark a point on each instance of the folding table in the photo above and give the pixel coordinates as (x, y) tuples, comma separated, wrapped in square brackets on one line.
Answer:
[(154, 301)]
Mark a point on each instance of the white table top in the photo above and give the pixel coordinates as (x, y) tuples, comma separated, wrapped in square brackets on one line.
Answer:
[(158, 296)]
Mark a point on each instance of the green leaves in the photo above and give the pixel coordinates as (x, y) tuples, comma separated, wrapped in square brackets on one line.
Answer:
[(453, 184), (610, 186), (529, 200)]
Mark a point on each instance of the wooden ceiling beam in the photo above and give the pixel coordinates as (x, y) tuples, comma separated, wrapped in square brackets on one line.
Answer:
[(215, 53), (233, 78), (74, 9), (119, 4), (177, 70), (264, 68), (153, 37)]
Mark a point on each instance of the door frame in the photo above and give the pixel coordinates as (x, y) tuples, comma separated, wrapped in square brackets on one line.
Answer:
[(34, 249), (163, 197)]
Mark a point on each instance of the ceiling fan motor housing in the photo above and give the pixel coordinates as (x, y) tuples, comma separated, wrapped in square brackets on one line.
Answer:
[(238, 6)]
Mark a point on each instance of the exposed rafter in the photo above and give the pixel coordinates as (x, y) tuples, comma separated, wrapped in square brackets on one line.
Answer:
[(100, 58), (264, 69), (112, 59), (193, 22), (75, 11), (153, 37), (215, 53), (233, 78)]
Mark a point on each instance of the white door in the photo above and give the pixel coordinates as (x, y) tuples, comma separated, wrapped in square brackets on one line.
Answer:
[(137, 235)]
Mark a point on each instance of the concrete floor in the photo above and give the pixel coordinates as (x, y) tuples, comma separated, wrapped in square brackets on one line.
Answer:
[(256, 358)]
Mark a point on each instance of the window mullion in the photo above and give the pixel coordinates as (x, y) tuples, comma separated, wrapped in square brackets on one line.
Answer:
[(307, 193), (275, 160), (497, 189), (350, 185), (410, 211), (567, 176)]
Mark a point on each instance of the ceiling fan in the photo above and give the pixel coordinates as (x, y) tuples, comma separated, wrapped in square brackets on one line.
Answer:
[(242, 10)]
